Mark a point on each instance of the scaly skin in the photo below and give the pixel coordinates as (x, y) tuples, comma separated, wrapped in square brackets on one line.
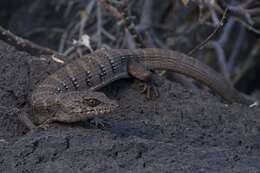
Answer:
[(70, 94)]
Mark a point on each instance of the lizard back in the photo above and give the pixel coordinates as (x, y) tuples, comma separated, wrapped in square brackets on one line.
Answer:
[(90, 72)]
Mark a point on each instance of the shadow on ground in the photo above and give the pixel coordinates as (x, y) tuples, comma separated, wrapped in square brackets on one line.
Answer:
[(182, 131)]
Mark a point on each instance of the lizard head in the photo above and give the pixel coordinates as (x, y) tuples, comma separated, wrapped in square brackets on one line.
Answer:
[(76, 106)]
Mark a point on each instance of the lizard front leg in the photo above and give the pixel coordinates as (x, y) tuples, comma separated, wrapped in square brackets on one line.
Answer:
[(23, 116), (149, 80)]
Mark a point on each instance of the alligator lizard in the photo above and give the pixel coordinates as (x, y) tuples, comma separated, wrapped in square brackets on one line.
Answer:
[(71, 93)]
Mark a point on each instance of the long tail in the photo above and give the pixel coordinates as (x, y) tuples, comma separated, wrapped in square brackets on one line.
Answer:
[(191, 67)]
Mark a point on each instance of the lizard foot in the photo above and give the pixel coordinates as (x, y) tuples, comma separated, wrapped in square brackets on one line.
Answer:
[(98, 122), (46, 124), (150, 90)]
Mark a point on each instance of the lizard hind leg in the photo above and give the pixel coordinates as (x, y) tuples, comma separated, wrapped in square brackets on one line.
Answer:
[(148, 81)]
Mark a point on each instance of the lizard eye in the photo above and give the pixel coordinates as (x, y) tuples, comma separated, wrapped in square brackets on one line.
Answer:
[(92, 102)]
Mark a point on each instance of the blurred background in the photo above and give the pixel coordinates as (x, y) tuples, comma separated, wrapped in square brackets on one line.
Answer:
[(224, 34)]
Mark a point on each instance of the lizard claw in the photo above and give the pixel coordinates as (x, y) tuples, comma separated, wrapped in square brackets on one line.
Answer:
[(150, 90)]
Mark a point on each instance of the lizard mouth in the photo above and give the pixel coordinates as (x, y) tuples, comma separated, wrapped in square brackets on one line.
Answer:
[(101, 110)]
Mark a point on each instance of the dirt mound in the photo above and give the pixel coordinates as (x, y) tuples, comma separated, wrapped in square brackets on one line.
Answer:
[(182, 131)]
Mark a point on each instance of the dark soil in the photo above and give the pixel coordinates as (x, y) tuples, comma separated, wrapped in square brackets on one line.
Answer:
[(182, 131)]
